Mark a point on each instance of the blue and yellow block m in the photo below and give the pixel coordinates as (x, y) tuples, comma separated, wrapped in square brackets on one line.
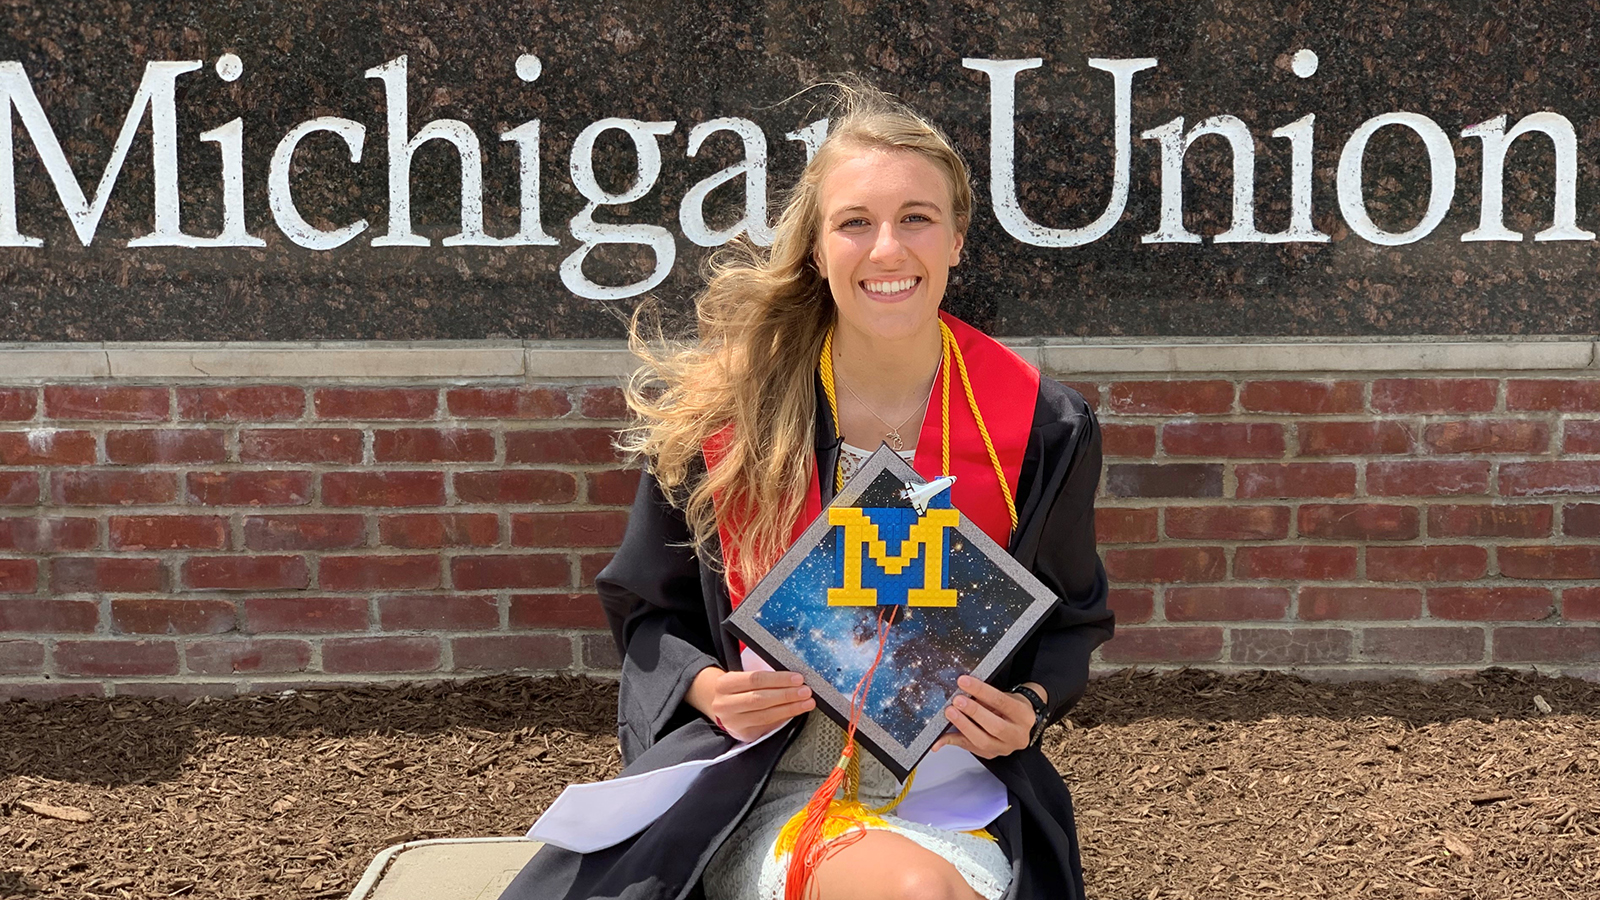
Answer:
[(913, 575)]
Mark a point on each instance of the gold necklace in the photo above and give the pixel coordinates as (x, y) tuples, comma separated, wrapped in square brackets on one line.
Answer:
[(895, 440)]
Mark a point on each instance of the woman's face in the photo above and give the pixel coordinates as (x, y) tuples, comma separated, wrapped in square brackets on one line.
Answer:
[(887, 241)]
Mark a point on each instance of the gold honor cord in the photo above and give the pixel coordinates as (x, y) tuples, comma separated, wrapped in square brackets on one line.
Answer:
[(952, 353)]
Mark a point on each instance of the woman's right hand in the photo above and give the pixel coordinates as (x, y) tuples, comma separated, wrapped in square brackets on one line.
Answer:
[(747, 705)]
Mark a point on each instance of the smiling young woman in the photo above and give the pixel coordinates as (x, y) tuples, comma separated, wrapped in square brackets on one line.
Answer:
[(889, 237), (808, 356)]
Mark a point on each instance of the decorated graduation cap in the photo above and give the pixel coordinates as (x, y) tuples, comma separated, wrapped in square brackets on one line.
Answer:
[(891, 562)]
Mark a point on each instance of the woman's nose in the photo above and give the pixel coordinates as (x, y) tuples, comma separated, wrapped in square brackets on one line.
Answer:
[(887, 247)]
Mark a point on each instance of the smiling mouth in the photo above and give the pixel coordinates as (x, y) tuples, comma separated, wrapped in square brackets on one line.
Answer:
[(890, 288)]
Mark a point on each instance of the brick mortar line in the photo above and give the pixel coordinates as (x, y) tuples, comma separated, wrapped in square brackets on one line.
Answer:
[(316, 680), (1559, 539), (1346, 583), (488, 631), (1365, 670), (183, 641), (1553, 620)]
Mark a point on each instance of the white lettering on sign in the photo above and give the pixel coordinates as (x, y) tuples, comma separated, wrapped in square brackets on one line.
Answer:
[(155, 93), (648, 168), (1003, 149), (1174, 143), (1299, 132), (155, 100), (531, 232), (811, 136), (526, 136), (753, 169), (290, 222), (229, 139), (1441, 162), (403, 145), (1496, 141)]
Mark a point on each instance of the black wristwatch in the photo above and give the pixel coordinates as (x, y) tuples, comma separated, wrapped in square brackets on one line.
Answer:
[(1041, 712)]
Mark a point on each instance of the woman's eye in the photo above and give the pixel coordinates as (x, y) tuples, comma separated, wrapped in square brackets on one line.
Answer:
[(918, 218), (852, 223)]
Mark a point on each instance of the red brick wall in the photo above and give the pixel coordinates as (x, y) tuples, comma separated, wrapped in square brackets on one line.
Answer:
[(212, 538), (207, 539), (1355, 523)]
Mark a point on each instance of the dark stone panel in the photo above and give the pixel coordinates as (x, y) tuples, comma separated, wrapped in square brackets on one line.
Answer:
[(1459, 63)]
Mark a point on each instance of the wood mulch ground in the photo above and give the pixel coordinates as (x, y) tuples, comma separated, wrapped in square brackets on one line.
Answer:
[(1188, 785)]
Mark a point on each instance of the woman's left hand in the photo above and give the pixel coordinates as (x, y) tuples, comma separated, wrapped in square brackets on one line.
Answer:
[(989, 722)]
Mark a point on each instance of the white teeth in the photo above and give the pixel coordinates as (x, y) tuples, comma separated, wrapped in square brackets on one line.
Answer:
[(890, 287)]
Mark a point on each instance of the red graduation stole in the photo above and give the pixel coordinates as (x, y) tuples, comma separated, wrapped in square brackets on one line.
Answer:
[(1005, 388)]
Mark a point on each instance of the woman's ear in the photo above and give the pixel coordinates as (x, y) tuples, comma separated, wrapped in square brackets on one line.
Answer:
[(955, 248)]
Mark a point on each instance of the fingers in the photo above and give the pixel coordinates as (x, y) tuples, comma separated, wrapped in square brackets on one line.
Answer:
[(956, 740), (986, 693), (971, 737), (751, 701), (983, 716), (951, 738), (749, 704), (989, 721), (739, 682), (980, 741), (1011, 707), (751, 725), (742, 692), (774, 714)]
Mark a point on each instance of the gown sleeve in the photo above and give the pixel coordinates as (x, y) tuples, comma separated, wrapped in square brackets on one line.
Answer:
[(654, 601), (1056, 541)]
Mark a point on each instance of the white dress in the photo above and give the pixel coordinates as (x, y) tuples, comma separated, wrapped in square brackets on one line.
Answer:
[(749, 866)]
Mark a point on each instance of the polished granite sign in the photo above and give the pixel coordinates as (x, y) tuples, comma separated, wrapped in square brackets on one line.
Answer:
[(214, 170)]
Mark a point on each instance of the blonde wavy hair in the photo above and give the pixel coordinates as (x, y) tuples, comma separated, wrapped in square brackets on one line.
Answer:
[(762, 320)]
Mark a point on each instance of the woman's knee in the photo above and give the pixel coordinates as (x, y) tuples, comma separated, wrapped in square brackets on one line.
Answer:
[(885, 866), (939, 881)]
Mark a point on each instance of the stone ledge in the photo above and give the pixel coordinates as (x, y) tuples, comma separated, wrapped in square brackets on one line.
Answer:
[(255, 360), (563, 361), (1460, 356), (605, 360), (488, 361)]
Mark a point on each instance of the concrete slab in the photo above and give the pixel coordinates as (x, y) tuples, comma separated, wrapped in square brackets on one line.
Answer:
[(603, 360), (52, 361), (376, 359), (1323, 356), (448, 869), (578, 359)]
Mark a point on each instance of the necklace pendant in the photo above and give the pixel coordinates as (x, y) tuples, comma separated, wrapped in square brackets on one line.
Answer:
[(895, 441)]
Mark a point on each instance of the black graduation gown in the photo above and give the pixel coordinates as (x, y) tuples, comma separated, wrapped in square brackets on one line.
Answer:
[(665, 610)]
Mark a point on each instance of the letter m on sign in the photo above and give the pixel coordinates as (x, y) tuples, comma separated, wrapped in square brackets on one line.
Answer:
[(914, 574), (156, 92)]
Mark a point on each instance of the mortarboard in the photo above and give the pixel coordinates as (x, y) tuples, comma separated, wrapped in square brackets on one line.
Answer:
[(963, 605)]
